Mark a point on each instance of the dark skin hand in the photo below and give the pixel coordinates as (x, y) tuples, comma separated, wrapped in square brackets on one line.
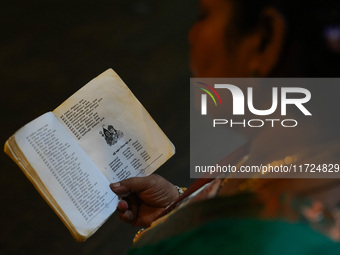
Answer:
[(143, 198)]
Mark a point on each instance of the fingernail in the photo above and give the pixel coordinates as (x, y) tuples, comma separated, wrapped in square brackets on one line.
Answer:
[(114, 185)]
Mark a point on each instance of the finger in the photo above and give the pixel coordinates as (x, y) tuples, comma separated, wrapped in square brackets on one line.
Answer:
[(133, 204), (119, 189), (134, 184), (127, 216), (122, 205)]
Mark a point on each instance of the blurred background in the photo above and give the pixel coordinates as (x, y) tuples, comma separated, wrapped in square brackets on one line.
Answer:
[(48, 50)]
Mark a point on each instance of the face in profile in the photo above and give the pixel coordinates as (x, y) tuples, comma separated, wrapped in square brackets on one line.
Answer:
[(213, 52)]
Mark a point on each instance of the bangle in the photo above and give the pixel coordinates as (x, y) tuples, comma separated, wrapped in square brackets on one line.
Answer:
[(180, 190)]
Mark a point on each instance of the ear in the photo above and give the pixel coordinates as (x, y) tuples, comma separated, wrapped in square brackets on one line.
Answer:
[(265, 44)]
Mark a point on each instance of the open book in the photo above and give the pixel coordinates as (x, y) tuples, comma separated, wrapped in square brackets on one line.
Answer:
[(99, 135)]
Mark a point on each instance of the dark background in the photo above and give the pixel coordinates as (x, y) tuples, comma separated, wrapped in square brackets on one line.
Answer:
[(48, 50)]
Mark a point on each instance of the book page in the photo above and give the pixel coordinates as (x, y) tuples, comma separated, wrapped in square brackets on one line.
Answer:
[(70, 177), (114, 129)]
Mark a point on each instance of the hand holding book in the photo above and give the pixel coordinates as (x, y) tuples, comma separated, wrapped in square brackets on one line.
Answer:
[(101, 134), (144, 199)]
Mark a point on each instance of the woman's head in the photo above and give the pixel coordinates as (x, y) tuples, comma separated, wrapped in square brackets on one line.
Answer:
[(243, 38)]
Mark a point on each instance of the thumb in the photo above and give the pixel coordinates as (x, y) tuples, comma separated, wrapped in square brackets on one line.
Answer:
[(133, 185)]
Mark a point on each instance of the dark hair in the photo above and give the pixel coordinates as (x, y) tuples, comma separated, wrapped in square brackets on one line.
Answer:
[(312, 26)]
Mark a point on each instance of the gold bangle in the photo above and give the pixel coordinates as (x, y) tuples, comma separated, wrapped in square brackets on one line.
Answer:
[(180, 189)]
